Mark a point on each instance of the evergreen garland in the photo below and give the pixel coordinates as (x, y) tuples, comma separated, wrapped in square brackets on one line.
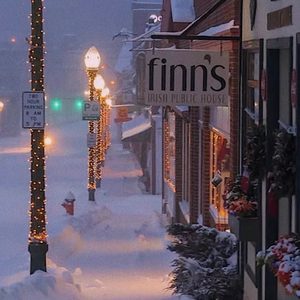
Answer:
[(255, 156), (202, 269), (284, 166)]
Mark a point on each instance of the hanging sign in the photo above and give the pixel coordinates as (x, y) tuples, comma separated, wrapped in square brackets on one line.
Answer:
[(294, 88), (91, 111), (33, 110), (263, 85), (186, 77), (122, 115)]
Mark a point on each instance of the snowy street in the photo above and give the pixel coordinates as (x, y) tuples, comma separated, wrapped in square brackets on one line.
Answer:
[(113, 249)]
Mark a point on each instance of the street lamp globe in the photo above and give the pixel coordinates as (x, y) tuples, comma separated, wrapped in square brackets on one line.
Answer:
[(92, 59), (105, 92), (108, 102), (99, 82)]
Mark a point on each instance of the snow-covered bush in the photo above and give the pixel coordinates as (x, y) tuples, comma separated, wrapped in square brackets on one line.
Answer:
[(283, 258), (206, 266)]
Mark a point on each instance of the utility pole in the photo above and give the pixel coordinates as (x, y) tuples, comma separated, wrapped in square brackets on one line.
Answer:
[(38, 246)]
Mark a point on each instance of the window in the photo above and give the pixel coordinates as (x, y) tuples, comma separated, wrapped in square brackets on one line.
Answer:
[(219, 165), (170, 148), (186, 162), (251, 100)]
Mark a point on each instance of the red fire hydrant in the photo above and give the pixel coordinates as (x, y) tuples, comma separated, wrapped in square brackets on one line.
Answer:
[(69, 203)]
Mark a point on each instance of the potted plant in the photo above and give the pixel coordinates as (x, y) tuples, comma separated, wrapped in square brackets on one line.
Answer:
[(242, 212), (241, 197), (283, 259)]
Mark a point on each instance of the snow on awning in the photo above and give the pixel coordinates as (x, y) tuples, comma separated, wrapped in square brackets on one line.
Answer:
[(183, 108), (136, 130), (217, 29), (183, 11), (125, 57)]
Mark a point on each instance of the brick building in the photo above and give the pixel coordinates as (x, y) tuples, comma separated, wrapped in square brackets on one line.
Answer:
[(205, 138)]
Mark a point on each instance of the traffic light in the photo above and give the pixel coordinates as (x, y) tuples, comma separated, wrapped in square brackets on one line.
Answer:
[(78, 104), (56, 104)]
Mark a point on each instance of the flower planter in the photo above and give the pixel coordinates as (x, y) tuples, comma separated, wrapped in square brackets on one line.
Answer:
[(245, 229)]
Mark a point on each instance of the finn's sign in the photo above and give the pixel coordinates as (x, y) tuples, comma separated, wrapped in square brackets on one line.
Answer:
[(91, 111), (187, 77), (33, 110)]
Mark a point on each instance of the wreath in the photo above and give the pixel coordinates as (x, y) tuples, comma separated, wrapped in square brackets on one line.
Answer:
[(284, 166)]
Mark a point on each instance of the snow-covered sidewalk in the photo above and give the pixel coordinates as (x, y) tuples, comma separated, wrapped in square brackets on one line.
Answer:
[(112, 249)]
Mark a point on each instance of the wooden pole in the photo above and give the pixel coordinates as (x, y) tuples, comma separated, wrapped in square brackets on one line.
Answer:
[(38, 246)]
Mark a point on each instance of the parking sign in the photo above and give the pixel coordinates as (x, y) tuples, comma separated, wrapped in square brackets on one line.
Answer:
[(91, 111), (33, 110)]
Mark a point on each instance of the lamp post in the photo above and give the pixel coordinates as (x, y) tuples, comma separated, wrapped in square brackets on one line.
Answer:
[(108, 105), (92, 62), (38, 246), (104, 95), (99, 85)]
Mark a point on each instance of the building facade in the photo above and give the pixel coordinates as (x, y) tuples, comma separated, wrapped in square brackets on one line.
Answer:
[(205, 138), (270, 45)]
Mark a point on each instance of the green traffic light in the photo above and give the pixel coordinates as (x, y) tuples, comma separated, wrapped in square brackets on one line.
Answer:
[(78, 104), (56, 104)]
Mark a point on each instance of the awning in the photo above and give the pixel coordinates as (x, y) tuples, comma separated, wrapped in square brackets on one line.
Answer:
[(137, 130)]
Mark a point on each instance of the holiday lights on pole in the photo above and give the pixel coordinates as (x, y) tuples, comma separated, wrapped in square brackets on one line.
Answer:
[(38, 246), (92, 62), (105, 94), (99, 85), (108, 106)]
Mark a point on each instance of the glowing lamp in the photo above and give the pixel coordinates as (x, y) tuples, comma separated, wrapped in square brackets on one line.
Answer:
[(108, 102), (1, 106), (99, 82), (92, 59), (105, 92), (48, 141)]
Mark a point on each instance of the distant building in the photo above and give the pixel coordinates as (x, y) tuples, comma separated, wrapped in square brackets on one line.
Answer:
[(14, 79)]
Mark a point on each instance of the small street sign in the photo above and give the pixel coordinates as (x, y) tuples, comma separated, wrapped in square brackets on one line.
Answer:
[(33, 110), (91, 111), (91, 140)]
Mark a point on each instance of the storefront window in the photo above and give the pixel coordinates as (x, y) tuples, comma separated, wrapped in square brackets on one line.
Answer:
[(170, 148), (219, 167), (186, 162), (251, 101)]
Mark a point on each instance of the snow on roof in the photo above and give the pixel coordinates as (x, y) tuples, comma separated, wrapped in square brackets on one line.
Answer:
[(137, 125), (218, 29), (183, 10), (124, 59), (209, 32)]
